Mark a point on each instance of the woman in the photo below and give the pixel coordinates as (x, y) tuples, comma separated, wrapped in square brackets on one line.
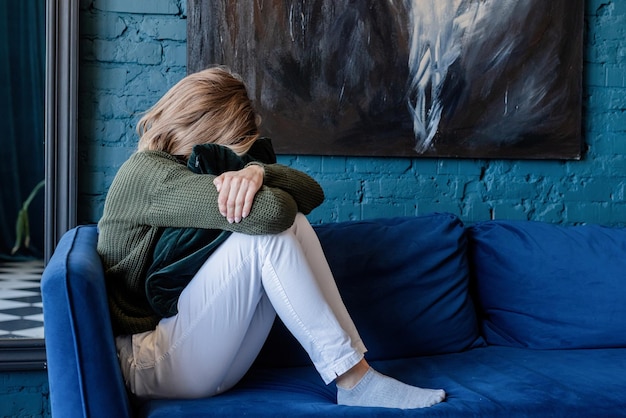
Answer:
[(269, 263)]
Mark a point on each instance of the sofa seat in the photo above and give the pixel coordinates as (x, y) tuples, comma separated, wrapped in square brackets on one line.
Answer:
[(483, 382)]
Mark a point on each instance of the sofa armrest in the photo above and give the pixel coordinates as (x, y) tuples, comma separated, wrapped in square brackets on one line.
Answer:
[(83, 370)]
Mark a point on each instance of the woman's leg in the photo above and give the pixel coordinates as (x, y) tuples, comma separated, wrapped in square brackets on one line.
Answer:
[(221, 313), (361, 385), (310, 306), (224, 317), (316, 258), (224, 310)]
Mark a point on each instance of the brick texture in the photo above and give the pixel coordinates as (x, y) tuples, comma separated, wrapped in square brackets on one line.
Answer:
[(24, 394), (131, 52)]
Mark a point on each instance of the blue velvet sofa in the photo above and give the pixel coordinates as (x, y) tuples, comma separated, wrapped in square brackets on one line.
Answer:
[(511, 318)]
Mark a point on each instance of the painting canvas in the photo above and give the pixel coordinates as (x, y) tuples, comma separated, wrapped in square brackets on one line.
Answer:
[(414, 78)]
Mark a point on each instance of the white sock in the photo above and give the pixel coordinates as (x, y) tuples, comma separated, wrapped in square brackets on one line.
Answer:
[(376, 389)]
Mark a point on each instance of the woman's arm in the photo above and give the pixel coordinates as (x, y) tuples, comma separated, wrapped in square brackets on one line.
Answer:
[(188, 200), (218, 159)]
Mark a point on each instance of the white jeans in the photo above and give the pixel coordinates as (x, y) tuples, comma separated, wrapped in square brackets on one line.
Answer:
[(227, 310)]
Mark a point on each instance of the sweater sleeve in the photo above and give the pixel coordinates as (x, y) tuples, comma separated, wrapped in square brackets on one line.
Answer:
[(180, 198)]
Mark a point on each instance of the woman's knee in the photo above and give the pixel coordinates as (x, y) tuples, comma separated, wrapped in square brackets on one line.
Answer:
[(301, 219)]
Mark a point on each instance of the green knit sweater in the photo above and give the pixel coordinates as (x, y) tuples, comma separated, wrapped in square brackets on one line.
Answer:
[(152, 190)]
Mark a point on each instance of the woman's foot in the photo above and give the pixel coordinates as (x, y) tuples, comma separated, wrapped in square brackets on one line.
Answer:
[(376, 389)]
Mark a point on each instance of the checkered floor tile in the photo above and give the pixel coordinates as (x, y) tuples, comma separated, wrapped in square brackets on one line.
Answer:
[(21, 313)]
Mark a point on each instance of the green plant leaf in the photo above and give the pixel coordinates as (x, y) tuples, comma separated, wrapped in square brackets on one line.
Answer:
[(22, 224), (22, 218)]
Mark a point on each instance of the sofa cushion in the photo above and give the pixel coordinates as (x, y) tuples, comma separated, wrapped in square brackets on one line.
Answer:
[(547, 286), (489, 382), (405, 283)]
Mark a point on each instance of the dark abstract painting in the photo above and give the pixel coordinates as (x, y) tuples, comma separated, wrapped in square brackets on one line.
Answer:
[(415, 78)]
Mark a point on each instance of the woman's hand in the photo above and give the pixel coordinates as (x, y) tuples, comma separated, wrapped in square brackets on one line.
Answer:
[(237, 190)]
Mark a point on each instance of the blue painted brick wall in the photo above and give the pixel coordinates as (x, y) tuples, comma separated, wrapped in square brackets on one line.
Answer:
[(24, 394), (132, 52)]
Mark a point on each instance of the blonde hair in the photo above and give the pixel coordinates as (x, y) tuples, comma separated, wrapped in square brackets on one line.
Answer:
[(210, 106)]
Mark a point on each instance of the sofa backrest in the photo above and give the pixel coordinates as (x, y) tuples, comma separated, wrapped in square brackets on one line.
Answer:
[(405, 283), (84, 376), (546, 286)]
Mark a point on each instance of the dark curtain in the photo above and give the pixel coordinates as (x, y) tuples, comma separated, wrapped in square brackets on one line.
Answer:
[(22, 81)]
